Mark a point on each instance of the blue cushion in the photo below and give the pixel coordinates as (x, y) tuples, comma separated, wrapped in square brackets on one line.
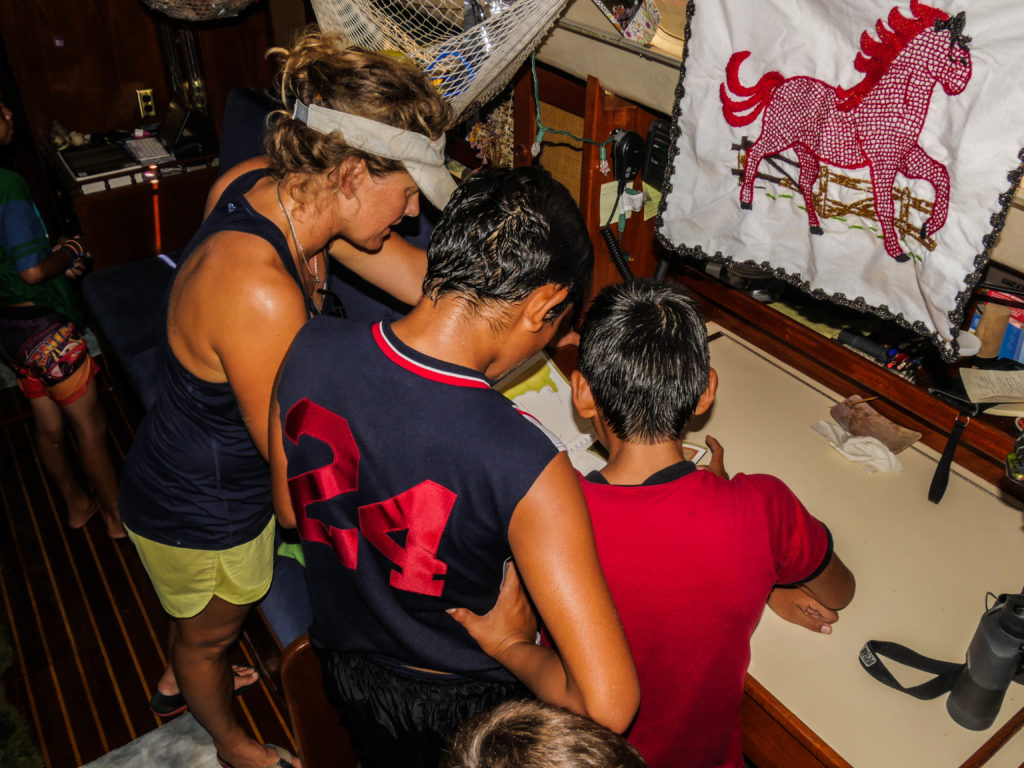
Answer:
[(126, 302), (244, 126), (287, 607)]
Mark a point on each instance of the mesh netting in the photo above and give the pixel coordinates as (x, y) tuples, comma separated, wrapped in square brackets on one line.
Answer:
[(199, 10), (469, 48)]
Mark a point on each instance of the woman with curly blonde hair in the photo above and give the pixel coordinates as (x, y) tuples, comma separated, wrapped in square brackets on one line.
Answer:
[(361, 136)]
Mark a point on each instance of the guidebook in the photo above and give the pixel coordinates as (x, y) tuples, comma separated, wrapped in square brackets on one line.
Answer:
[(540, 389), (991, 386)]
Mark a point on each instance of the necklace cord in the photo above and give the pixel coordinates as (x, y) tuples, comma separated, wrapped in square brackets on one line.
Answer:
[(315, 271)]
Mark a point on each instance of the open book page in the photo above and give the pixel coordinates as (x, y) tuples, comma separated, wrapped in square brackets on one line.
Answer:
[(694, 452), (985, 386), (1013, 410), (539, 388)]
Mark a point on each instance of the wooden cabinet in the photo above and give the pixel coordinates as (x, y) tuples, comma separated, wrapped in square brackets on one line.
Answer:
[(81, 62), (129, 216), (144, 219)]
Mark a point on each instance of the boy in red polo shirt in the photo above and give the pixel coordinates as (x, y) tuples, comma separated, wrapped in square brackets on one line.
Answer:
[(691, 557)]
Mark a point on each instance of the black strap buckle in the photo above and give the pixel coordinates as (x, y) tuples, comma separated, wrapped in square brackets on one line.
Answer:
[(945, 672)]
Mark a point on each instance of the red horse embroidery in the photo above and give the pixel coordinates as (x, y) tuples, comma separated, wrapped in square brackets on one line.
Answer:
[(875, 124)]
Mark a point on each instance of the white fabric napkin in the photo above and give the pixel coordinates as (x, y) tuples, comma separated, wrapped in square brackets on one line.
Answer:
[(869, 452)]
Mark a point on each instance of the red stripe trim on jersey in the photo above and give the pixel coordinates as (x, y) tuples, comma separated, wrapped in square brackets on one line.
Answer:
[(427, 372), (555, 439)]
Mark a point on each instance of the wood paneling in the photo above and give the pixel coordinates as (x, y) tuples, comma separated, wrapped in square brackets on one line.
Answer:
[(601, 112), (234, 55), (144, 219), (604, 113), (80, 61)]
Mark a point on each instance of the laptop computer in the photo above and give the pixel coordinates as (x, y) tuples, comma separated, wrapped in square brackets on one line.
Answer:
[(91, 162), (160, 149)]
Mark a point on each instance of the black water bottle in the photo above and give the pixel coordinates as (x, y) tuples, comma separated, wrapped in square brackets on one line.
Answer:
[(994, 658)]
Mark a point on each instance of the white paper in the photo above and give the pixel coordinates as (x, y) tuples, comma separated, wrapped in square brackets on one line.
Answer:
[(985, 386)]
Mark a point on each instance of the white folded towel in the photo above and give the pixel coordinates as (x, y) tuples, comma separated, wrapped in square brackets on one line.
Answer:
[(869, 452)]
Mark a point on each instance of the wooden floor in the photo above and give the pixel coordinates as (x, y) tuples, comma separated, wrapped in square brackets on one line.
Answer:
[(88, 633)]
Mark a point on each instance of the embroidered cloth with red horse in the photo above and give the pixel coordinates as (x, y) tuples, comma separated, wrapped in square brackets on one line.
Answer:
[(866, 152)]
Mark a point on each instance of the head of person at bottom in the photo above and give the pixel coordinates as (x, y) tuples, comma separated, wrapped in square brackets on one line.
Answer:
[(531, 734), (360, 124), (510, 259), (644, 367)]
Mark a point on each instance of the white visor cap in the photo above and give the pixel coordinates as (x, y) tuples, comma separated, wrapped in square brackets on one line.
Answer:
[(422, 158)]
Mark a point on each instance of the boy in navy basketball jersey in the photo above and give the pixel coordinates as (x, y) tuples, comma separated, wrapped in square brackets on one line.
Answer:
[(412, 483), (690, 556)]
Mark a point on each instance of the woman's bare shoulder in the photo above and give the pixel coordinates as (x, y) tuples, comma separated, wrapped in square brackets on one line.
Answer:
[(229, 261), (233, 289)]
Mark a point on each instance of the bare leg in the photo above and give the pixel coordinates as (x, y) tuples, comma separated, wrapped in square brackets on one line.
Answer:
[(52, 443), (199, 657), (168, 683), (244, 677), (90, 424)]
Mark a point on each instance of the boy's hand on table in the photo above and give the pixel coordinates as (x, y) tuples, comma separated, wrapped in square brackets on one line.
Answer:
[(798, 607), (511, 620), (717, 464)]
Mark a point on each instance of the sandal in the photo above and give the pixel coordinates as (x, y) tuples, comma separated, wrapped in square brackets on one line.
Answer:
[(170, 705), (285, 759)]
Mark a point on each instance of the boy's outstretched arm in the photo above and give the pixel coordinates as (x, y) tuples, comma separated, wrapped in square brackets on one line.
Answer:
[(397, 268), (834, 586), (553, 545), (815, 603)]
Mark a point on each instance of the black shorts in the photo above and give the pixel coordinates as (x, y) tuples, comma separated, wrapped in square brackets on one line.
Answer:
[(401, 718)]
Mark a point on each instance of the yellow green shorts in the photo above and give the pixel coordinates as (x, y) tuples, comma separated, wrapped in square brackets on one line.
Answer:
[(185, 579)]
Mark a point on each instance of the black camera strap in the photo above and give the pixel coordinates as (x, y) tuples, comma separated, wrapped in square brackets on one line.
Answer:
[(946, 672)]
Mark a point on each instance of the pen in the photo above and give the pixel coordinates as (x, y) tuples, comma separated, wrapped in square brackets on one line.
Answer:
[(863, 400)]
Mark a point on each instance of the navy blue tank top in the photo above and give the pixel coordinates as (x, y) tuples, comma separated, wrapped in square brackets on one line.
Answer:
[(193, 477)]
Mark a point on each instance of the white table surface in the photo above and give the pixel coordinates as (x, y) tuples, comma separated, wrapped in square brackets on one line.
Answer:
[(922, 569)]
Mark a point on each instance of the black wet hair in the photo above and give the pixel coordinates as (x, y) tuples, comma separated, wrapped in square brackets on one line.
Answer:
[(504, 233), (644, 352)]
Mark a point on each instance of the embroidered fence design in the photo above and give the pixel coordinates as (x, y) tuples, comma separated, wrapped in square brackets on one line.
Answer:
[(827, 206)]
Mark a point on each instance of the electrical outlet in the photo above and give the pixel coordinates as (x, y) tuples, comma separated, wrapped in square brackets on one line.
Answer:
[(147, 107)]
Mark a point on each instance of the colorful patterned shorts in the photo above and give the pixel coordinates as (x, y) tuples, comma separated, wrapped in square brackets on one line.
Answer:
[(48, 354)]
